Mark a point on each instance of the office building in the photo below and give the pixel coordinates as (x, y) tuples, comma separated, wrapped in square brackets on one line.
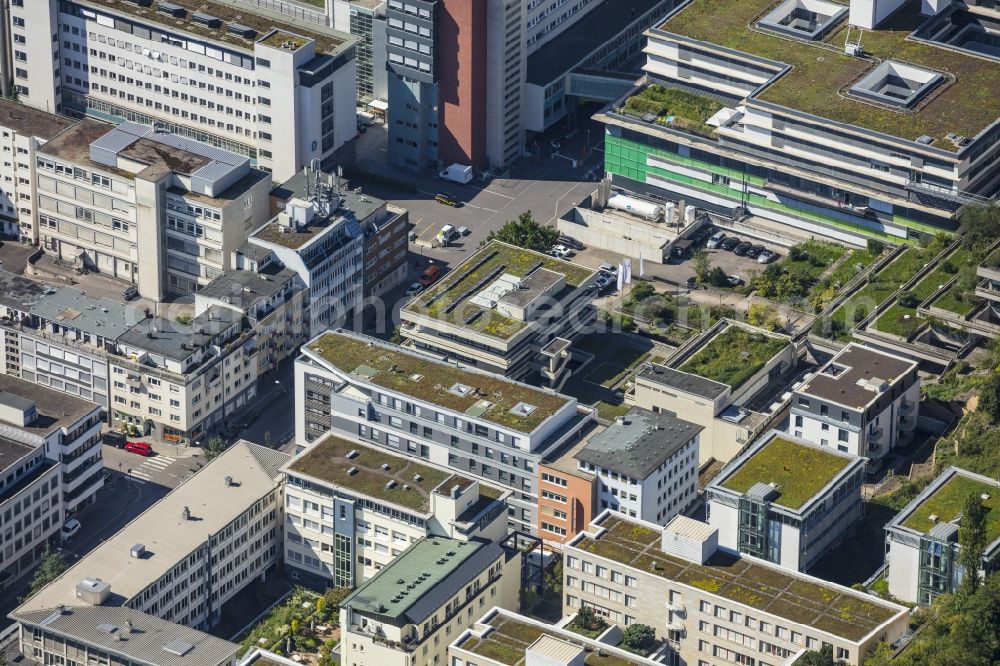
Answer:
[(365, 20), (410, 610), (501, 632), (922, 539), (712, 380), (351, 508), (278, 91), (23, 130), (116, 635), (862, 401), (50, 444), (466, 79), (481, 426), (646, 465), (786, 501), (184, 557), (151, 208), (271, 300), (714, 606), (506, 310), (885, 140), (567, 495)]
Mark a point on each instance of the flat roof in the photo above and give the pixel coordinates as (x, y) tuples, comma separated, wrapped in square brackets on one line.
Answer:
[(257, 18), (819, 74), (360, 204), (245, 288), (21, 293), (796, 597), (73, 145), (683, 381), (799, 470), (167, 536), (327, 461), (599, 26), (638, 443), (29, 121), (734, 354), (55, 409), (852, 378), (423, 578), (945, 498), (451, 300), (477, 394), (71, 307), (151, 640), (178, 342), (12, 453), (507, 635)]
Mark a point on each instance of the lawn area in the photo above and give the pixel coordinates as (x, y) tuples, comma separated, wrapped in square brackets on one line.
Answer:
[(879, 287), (901, 319), (734, 356), (955, 300), (675, 107), (855, 262), (782, 462), (607, 374), (812, 256)]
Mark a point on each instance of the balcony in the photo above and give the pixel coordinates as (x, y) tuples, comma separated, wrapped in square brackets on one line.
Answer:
[(875, 434), (906, 407)]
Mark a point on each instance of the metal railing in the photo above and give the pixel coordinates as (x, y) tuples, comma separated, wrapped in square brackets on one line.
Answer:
[(292, 9)]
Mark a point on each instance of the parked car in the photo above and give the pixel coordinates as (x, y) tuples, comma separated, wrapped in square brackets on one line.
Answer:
[(69, 529), (702, 234), (715, 240), (448, 199), (755, 251), (569, 241), (741, 249), (729, 243), (430, 275), (142, 448), (734, 280), (766, 257), (692, 282), (414, 289), (609, 269), (130, 293), (562, 251), (463, 231)]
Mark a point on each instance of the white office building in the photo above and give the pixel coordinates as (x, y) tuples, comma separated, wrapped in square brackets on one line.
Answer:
[(479, 425), (646, 464), (863, 402), (786, 501), (276, 90), (187, 555)]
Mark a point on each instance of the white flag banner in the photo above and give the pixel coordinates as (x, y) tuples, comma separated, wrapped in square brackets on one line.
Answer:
[(628, 271), (642, 270), (621, 274)]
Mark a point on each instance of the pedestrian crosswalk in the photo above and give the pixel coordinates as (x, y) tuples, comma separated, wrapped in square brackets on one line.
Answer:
[(145, 471)]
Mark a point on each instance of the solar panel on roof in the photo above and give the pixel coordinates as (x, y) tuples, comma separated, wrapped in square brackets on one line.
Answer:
[(241, 30), (206, 19)]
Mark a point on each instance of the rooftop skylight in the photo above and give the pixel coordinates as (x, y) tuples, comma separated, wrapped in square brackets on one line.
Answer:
[(804, 19), (896, 84)]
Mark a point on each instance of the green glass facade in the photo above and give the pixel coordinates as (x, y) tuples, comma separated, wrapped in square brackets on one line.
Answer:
[(631, 159)]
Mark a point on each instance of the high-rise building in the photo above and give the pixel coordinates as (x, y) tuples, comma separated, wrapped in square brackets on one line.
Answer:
[(269, 87)]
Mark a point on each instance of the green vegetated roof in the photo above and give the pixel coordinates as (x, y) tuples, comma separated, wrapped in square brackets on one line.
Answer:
[(327, 461), (948, 501), (415, 572), (478, 272), (327, 40), (426, 379), (799, 471), (964, 106), (734, 355), (509, 638), (674, 107), (767, 588)]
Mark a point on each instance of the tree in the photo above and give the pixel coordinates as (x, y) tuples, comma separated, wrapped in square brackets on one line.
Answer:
[(980, 223), (822, 657), (554, 579), (587, 619), (525, 232), (875, 247), (641, 290), (335, 595), (214, 448), (717, 277), (702, 264), (908, 299), (972, 539), (764, 316), (989, 396), (53, 565), (638, 638)]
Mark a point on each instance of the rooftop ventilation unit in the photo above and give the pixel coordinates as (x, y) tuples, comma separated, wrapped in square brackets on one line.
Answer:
[(417, 478), (138, 551), (170, 9), (206, 20), (241, 30), (390, 484), (352, 471), (352, 454), (93, 591)]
